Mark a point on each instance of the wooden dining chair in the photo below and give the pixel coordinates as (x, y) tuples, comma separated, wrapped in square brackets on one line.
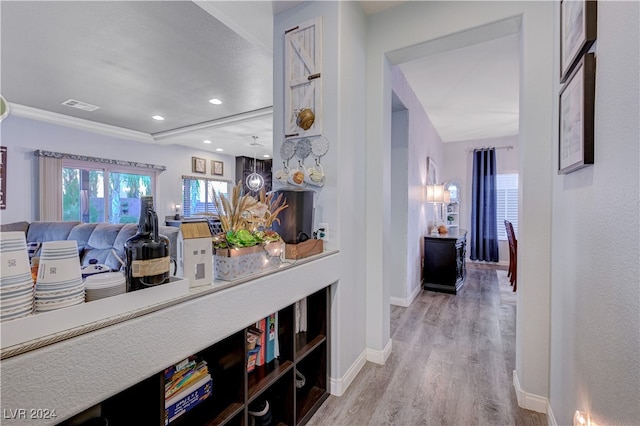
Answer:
[(513, 255)]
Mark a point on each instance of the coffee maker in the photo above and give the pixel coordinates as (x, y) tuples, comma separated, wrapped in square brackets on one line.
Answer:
[(296, 221)]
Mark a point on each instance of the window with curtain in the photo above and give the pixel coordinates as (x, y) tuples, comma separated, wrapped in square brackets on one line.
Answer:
[(89, 189), (484, 232), (94, 192), (198, 193), (507, 188)]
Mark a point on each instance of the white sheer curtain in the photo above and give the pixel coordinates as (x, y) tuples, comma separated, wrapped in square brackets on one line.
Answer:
[(50, 170)]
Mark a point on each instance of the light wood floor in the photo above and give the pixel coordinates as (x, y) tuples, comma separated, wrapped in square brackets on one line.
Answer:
[(452, 363)]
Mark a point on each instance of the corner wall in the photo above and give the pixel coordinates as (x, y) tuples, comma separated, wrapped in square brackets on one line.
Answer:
[(341, 202), (595, 291), (422, 141), (412, 23)]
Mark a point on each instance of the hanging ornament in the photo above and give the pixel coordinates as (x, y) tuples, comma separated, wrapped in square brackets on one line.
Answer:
[(255, 181)]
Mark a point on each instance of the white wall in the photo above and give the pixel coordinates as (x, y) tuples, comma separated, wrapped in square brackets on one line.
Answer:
[(412, 23), (400, 286), (341, 202), (458, 165), (22, 136), (595, 291), (423, 141)]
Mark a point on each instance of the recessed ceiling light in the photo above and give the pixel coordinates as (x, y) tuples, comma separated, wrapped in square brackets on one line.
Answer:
[(206, 141), (215, 101), (266, 156), (219, 149), (158, 117)]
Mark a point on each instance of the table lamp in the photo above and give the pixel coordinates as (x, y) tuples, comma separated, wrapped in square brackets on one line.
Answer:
[(435, 195)]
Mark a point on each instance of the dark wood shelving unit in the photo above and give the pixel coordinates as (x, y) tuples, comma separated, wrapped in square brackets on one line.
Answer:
[(304, 346), (225, 417), (266, 375), (234, 390)]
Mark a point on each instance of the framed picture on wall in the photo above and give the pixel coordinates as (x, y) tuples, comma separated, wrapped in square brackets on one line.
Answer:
[(217, 167), (578, 23), (577, 99), (432, 172), (198, 165)]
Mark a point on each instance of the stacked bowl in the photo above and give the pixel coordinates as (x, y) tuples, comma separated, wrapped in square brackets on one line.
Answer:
[(59, 282), (103, 285), (16, 285)]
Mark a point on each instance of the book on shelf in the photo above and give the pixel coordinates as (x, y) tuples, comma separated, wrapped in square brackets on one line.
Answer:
[(262, 326), (272, 333), (184, 374), (187, 399), (301, 316), (183, 365), (252, 356)]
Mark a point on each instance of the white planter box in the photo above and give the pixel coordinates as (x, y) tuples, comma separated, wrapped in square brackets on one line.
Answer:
[(232, 264)]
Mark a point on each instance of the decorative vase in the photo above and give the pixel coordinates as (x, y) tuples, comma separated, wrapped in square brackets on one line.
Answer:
[(147, 252)]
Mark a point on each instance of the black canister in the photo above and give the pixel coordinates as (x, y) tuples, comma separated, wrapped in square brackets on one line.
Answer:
[(147, 252)]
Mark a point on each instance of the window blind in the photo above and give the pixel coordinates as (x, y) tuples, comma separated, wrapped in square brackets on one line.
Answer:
[(198, 193), (507, 202)]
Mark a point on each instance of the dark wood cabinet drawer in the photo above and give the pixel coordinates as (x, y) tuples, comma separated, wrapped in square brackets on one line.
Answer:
[(444, 262)]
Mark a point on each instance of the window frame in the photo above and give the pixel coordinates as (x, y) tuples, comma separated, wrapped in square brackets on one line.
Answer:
[(206, 180), (107, 169)]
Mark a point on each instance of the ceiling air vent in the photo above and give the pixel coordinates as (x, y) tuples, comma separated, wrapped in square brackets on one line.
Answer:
[(80, 105)]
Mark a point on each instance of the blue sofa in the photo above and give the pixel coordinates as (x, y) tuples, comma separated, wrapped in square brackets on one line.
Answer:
[(99, 241)]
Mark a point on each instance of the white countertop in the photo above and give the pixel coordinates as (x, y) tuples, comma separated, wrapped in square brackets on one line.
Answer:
[(71, 373)]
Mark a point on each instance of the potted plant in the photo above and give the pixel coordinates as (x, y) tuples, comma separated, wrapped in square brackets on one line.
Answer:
[(246, 223)]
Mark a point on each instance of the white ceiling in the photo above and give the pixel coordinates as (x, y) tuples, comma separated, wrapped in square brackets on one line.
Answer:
[(470, 92), (138, 59)]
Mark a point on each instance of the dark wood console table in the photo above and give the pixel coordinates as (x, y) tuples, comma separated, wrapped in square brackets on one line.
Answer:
[(444, 261)]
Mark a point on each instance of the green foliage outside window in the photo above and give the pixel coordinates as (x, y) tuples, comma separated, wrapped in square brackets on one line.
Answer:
[(120, 188)]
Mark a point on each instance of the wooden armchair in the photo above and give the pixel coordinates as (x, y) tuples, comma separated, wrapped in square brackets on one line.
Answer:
[(513, 255)]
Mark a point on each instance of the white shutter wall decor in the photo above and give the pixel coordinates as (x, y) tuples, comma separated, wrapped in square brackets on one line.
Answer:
[(303, 82)]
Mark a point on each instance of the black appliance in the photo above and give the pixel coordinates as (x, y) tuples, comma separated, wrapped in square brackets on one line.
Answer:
[(296, 221)]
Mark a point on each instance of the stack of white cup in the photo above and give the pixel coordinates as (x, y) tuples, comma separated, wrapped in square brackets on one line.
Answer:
[(16, 285), (59, 282)]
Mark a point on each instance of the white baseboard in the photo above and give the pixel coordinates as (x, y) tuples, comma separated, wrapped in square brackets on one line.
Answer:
[(338, 387), (406, 302), (551, 420), (527, 400), (379, 357)]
